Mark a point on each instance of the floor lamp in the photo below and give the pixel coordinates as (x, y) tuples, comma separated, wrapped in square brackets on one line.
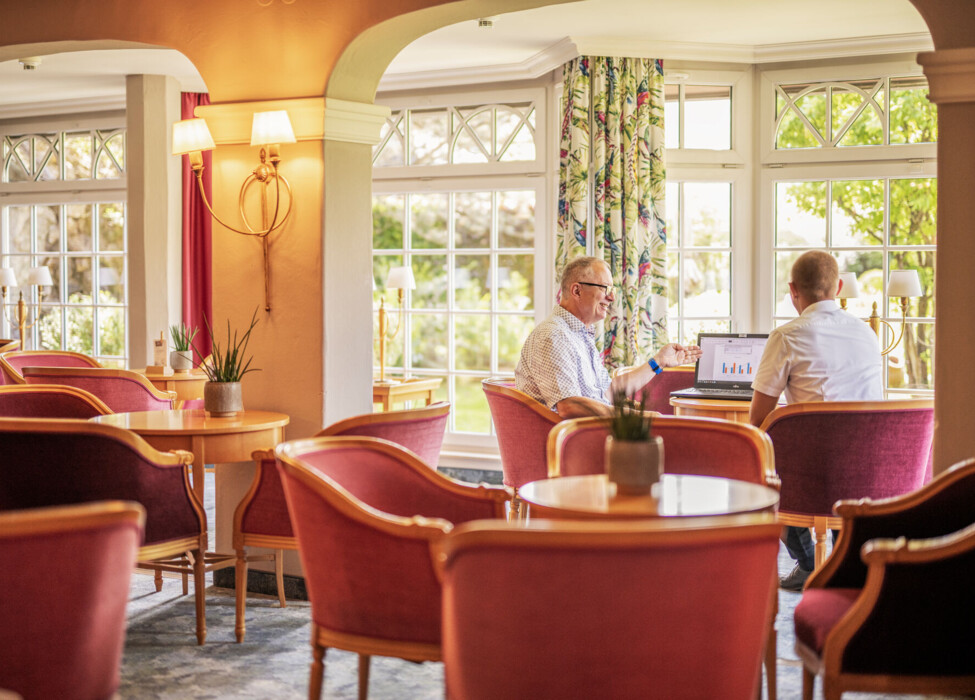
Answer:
[(902, 284), (36, 276)]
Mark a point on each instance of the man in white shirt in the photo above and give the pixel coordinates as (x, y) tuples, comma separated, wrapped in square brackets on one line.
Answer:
[(826, 354), (559, 364)]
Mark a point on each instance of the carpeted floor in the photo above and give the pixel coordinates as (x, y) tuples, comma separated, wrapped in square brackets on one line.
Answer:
[(162, 660)]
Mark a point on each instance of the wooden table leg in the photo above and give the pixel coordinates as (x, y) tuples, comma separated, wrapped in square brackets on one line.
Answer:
[(199, 464)]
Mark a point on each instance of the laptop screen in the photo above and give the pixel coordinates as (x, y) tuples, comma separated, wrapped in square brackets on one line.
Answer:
[(728, 360)]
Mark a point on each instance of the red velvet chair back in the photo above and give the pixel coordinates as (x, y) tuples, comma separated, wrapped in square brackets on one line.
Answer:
[(700, 446), (49, 462), (12, 363), (65, 583), (657, 390), (608, 610), (49, 401), (121, 390), (834, 450), (368, 573), (420, 430), (522, 425)]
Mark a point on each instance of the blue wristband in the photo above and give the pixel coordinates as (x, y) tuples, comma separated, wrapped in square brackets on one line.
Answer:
[(654, 366)]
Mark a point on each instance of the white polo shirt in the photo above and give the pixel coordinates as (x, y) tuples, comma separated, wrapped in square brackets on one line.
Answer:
[(827, 354)]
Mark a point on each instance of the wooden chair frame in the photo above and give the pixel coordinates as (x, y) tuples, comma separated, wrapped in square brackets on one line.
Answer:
[(434, 410), (185, 555), (821, 524), (242, 539), (431, 530), (877, 554), (55, 372), (84, 396), (8, 344), (18, 378)]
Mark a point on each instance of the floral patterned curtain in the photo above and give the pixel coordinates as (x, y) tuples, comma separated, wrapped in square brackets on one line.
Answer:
[(611, 194)]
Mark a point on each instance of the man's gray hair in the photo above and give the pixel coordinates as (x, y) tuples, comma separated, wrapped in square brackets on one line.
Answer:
[(576, 269)]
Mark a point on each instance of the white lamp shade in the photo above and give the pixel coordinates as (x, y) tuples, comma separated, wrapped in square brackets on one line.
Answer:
[(850, 288), (400, 278), (40, 276), (7, 277), (904, 283), (271, 127), (190, 136)]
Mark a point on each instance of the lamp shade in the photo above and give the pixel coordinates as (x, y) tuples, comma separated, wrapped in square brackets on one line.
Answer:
[(7, 277), (400, 278), (191, 136), (904, 283), (40, 276), (271, 127), (850, 288)]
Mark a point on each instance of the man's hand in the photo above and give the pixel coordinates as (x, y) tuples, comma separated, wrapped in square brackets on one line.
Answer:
[(673, 355)]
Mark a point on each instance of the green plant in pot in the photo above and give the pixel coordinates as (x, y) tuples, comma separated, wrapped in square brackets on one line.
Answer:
[(229, 362), (181, 356), (634, 457)]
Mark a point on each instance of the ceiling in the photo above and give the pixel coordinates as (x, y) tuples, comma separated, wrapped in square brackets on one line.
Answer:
[(527, 44)]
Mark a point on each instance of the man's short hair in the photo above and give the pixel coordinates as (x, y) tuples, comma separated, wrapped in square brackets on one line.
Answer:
[(576, 269), (815, 275)]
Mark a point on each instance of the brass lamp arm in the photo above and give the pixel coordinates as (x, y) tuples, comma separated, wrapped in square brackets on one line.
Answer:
[(875, 322), (274, 224)]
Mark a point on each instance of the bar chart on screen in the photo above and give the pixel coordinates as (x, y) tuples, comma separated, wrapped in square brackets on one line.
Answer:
[(736, 361)]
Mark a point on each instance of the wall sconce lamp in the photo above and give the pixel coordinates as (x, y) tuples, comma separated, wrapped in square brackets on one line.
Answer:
[(37, 276), (269, 130), (400, 279), (901, 283)]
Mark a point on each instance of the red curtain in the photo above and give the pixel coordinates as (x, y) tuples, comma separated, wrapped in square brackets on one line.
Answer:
[(197, 227)]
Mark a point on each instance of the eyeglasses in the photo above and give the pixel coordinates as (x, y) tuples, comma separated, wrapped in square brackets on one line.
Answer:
[(607, 288)]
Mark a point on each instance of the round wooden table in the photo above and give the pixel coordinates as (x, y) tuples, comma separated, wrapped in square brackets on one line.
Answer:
[(676, 495), (187, 385), (211, 440), (736, 411)]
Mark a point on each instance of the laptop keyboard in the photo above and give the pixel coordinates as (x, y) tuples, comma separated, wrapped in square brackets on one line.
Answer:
[(747, 393)]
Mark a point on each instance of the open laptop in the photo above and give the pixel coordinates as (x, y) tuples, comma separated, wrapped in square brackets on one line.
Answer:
[(727, 365)]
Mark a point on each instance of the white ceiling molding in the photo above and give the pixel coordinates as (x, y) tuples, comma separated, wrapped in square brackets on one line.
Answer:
[(102, 103), (568, 48), (533, 67)]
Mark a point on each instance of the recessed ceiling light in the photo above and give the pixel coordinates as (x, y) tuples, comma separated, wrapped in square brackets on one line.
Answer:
[(30, 63)]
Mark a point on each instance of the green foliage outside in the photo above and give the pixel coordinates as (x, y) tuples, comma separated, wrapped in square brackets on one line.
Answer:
[(861, 206), (80, 320)]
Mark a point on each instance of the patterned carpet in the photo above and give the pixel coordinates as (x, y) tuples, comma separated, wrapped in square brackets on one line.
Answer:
[(162, 660)]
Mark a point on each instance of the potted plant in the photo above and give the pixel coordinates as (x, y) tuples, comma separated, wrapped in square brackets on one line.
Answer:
[(181, 356), (222, 395), (634, 457)]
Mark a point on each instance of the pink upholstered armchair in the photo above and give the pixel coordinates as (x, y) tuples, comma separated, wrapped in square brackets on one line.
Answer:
[(65, 583), (523, 425), (120, 389), (365, 512), (890, 610), (657, 390), (261, 518), (49, 401), (701, 446), (51, 462), (12, 363), (833, 450), (620, 610)]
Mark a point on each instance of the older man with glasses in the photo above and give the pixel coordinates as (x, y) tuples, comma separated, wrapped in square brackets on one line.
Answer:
[(559, 364)]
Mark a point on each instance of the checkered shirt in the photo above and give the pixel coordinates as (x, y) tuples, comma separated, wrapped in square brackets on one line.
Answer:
[(559, 360)]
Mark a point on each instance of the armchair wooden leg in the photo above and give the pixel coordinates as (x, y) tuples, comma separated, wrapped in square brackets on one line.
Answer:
[(317, 666), (808, 683), (199, 590), (821, 529), (364, 660), (240, 595), (279, 575), (157, 579)]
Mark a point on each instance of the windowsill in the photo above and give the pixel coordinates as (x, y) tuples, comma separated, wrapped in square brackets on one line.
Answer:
[(470, 459)]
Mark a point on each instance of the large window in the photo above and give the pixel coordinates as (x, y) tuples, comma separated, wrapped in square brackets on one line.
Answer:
[(455, 201), (875, 216), (64, 208)]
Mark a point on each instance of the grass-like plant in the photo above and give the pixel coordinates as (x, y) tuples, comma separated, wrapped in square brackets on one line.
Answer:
[(629, 422), (229, 363), (182, 337)]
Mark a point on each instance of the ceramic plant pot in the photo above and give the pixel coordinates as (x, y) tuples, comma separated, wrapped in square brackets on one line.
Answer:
[(181, 360), (634, 465), (223, 399)]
